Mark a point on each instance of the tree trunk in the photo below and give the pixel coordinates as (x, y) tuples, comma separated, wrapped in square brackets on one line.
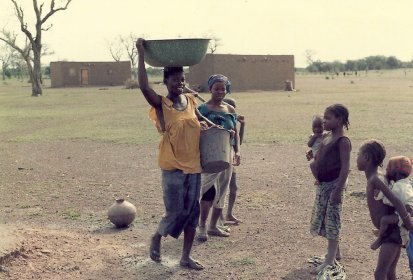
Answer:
[(36, 73), (4, 68)]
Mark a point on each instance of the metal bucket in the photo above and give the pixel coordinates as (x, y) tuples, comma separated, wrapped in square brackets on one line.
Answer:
[(215, 150)]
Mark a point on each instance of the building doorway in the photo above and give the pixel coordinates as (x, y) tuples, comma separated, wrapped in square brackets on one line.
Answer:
[(84, 77)]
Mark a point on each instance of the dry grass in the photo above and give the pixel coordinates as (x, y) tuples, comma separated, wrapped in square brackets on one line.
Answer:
[(380, 105)]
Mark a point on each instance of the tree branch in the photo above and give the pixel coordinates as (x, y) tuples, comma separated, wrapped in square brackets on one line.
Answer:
[(53, 10), (11, 40), (23, 25), (46, 29), (37, 11)]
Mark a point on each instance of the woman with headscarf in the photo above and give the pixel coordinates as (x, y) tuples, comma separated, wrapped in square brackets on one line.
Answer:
[(215, 185)]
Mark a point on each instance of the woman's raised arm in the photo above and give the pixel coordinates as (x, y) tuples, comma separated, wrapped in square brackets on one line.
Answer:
[(151, 96)]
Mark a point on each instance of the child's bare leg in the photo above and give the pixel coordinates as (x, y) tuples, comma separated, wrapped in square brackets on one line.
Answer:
[(216, 213), (205, 208), (391, 275), (338, 253), (204, 212), (385, 222), (331, 254), (331, 251), (313, 169), (221, 220), (213, 228), (231, 198), (387, 262), (376, 243), (314, 172)]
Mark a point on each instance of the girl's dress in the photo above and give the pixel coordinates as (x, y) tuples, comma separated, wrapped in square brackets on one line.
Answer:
[(221, 179), (179, 160), (326, 217)]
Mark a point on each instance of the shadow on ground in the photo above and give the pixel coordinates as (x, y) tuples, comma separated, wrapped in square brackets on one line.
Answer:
[(300, 273)]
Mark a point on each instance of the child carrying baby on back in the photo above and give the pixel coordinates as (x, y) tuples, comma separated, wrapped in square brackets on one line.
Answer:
[(397, 172)]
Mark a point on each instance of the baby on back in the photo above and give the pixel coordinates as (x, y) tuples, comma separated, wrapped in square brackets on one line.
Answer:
[(398, 170)]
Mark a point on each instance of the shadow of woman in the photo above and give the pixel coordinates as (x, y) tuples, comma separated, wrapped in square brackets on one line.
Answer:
[(300, 274)]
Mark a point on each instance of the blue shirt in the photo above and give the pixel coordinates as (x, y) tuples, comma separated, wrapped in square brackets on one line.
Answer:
[(226, 120)]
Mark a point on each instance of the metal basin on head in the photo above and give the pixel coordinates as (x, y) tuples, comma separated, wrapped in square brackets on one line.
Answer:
[(175, 52)]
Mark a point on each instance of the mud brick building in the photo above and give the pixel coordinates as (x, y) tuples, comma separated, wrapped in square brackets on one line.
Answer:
[(246, 72), (76, 74)]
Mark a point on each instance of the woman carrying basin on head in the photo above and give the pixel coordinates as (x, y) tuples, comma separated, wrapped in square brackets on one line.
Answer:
[(215, 185), (179, 121)]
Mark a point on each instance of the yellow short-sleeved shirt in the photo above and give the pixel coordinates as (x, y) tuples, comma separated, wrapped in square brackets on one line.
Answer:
[(179, 146)]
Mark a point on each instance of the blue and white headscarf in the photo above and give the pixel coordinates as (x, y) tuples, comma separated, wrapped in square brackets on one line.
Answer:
[(219, 78)]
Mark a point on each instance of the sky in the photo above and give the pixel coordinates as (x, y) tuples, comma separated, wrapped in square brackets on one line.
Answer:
[(330, 29)]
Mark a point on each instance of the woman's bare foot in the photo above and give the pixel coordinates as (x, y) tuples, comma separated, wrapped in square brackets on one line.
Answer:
[(191, 264), (217, 232), (322, 266), (155, 248), (231, 218)]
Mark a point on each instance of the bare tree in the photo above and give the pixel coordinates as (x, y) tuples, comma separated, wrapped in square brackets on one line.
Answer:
[(33, 41), (25, 51), (309, 56), (122, 44), (128, 43), (7, 54), (214, 44), (116, 50)]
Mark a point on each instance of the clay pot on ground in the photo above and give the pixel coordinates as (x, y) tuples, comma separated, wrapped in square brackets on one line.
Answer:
[(122, 213)]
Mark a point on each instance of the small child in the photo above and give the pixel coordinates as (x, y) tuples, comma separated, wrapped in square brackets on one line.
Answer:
[(370, 156), (315, 138), (233, 187), (314, 143), (397, 172)]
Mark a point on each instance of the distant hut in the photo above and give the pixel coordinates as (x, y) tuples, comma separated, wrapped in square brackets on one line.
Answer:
[(246, 72), (77, 74)]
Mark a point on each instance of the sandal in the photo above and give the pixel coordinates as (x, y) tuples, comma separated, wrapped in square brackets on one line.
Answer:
[(224, 228), (218, 232)]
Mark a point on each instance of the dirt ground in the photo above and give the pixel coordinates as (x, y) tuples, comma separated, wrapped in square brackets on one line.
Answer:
[(56, 195)]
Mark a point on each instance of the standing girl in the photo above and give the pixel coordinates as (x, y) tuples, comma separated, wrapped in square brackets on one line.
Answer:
[(177, 119), (331, 166)]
